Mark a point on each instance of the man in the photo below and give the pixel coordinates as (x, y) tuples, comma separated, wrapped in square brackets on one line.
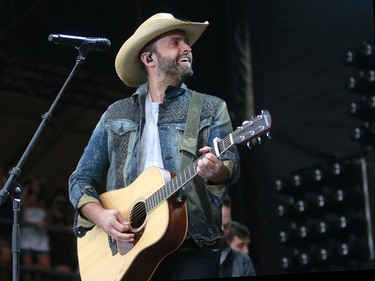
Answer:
[(146, 130), (239, 237), (233, 262)]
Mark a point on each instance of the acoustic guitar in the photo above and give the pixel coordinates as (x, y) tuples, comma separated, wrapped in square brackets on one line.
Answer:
[(158, 219)]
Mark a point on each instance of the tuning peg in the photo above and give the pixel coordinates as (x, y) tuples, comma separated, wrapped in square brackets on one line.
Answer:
[(249, 145), (246, 122), (268, 134), (253, 142)]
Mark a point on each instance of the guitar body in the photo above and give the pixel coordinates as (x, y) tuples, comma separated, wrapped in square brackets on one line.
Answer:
[(162, 232)]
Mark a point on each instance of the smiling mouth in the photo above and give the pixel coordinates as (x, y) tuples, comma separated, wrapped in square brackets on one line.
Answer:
[(184, 60)]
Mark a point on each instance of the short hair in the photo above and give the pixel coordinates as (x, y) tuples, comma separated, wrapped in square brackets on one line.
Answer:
[(150, 47), (238, 229)]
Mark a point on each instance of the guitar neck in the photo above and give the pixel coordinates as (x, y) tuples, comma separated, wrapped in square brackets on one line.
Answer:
[(185, 176)]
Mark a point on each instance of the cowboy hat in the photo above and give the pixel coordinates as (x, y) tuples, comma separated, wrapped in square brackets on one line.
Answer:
[(127, 65)]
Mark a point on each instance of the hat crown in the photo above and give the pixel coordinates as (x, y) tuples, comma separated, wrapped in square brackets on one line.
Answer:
[(161, 16)]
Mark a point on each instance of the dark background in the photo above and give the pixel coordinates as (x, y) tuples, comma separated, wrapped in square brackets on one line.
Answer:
[(298, 74)]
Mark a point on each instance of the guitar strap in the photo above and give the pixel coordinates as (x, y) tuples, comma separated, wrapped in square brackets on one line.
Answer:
[(188, 150), (189, 141)]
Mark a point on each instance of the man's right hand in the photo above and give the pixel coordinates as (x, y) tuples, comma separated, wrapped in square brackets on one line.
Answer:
[(111, 221)]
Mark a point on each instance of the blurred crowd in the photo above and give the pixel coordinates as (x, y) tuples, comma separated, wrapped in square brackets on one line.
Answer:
[(47, 244)]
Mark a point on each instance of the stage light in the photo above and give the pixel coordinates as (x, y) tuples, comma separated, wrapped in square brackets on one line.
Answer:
[(341, 199), (291, 186), (343, 172), (363, 58), (363, 110), (365, 134), (321, 226), (300, 182), (363, 84), (346, 224)]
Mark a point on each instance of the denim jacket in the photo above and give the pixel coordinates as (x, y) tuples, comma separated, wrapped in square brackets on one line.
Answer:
[(113, 151)]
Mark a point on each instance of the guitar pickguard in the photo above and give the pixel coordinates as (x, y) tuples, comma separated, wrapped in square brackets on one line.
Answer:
[(125, 247)]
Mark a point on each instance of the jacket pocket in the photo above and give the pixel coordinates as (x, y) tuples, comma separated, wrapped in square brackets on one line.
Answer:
[(121, 127)]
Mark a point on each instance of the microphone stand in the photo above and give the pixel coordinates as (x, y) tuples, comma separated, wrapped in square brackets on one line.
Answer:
[(12, 186)]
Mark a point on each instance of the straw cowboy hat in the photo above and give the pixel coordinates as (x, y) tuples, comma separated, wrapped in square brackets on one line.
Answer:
[(127, 65)]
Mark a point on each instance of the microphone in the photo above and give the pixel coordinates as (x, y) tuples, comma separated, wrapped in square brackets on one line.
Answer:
[(90, 43)]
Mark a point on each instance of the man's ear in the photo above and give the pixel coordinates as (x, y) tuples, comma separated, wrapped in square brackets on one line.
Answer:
[(146, 57)]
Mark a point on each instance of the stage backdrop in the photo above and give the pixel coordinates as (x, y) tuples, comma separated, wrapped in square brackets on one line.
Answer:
[(299, 75)]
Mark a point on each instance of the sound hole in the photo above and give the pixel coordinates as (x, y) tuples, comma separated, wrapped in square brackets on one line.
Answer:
[(138, 215)]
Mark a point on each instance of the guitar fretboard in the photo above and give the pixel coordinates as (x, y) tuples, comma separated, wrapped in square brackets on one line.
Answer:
[(182, 178)]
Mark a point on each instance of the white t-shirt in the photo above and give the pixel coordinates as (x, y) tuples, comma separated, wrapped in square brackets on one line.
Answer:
[(150, 152)]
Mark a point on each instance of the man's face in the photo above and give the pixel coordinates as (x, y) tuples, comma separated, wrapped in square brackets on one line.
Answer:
[(226, 220), (240, 244), (174, 57)]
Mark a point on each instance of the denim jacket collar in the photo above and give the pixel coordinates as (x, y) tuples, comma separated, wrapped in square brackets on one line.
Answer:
[(170, 93)]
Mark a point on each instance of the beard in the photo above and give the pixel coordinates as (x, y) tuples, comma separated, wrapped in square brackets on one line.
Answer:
[(173, 70)]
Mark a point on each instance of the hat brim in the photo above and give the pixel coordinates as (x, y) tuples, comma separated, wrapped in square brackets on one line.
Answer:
[(126, 63)]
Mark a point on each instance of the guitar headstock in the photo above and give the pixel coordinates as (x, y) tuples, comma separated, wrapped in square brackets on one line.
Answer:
[(252, 129)]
